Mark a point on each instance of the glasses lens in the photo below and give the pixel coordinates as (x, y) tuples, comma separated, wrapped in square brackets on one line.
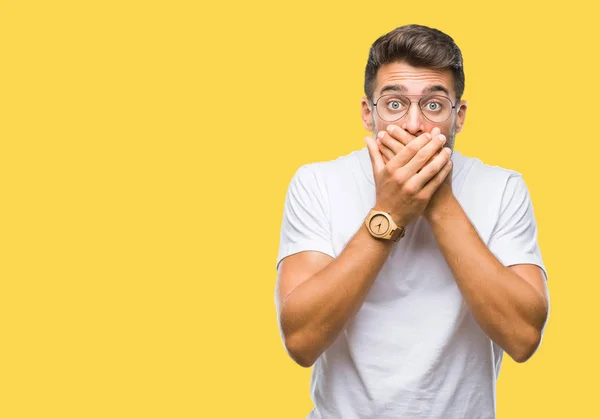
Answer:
[(392, 107), (436, 108)]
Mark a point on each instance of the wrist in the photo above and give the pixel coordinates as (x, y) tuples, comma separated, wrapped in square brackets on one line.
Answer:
[(442, 211)]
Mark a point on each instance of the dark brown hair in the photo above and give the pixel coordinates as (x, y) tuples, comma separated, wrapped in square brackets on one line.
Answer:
[(418, 46)]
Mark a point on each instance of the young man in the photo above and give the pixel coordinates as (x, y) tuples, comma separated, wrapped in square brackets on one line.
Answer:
[(406, 270)]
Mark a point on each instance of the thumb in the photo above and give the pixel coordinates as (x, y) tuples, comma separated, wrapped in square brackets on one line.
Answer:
[(374, 154)]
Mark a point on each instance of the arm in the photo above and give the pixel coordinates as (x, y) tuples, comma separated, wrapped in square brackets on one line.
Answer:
[(316, 294), (509, 303)]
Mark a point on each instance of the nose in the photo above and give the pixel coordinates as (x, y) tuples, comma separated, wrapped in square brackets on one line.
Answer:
[(413, 120)]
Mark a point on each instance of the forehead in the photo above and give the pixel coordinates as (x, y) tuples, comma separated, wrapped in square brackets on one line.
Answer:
[(414, 79)]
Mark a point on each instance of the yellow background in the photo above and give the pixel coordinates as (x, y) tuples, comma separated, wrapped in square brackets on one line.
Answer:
[(146, 148)]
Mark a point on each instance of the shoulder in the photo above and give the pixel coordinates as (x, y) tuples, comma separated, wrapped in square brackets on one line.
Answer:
[(487, 191), (480, 175), (328, 171)]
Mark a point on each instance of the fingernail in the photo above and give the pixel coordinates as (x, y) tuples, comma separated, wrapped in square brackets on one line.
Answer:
[(447, 150), (381, 134), (442, 138), (378, 141), (390, 128)]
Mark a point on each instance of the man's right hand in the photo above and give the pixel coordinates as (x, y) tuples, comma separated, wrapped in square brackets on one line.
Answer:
[(404, 185)]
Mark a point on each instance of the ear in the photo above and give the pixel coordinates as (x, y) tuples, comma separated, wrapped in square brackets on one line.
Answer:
[(367, 114), (461, 115)]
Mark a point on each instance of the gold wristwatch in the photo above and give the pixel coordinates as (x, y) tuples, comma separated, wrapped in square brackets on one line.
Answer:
[(381, 226)]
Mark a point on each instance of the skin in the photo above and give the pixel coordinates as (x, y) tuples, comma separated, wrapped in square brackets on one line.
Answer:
[(412, 81), (316, 295)]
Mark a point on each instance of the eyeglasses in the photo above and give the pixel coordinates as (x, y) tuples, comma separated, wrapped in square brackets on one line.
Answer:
[(435, 108)]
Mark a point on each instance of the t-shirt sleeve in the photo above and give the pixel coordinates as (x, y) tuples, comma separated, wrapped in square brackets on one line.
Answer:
[(306, 222), (514, 238)]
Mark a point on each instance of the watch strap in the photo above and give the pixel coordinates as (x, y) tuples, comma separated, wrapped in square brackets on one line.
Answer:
[(397, 234)]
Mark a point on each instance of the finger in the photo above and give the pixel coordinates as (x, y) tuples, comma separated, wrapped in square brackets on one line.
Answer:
[(399, 134), (430, 160), (374, 154), (390, 142), (424, 154), (409, 151), (385, 151), (429, 171), (434, 133), (437, 180), (385, 160)]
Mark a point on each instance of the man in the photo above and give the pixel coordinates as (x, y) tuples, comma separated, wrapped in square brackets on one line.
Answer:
[(406, 270)]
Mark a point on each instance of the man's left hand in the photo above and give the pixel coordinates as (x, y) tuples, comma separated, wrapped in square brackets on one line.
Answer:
[(391, 142)]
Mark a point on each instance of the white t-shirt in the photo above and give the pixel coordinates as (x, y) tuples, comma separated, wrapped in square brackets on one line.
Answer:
[(413, 350)]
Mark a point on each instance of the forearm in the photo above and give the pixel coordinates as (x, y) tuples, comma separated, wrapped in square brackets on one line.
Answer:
[(509, 309), (314, 314)]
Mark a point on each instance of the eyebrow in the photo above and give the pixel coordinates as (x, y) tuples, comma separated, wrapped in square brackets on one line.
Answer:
[(436, 88), (393, 88), (403, 89)]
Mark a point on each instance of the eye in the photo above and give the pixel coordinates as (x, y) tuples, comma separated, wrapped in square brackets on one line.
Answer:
[(433, 106), (394, 105)]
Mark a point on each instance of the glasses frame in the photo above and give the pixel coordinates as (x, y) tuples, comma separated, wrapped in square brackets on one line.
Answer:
[(411, 102)]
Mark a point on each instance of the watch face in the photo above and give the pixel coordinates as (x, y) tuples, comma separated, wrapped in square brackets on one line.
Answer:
[(379, 224)]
